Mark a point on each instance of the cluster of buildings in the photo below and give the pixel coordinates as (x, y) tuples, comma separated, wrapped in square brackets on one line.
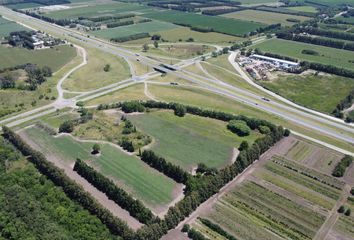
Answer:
[(259, 66), (33, 40)]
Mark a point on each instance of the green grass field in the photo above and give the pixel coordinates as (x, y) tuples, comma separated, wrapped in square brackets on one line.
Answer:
[(327, 55), (265, 17), (219, 24), (92, 76), (309, 9), (96, 10), (124, 31), (8, 26), (55, 58), (129, 172), (321, 93), (245, 2), (190, 140)]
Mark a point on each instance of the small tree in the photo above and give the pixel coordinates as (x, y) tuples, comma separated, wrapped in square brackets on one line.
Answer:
[(156, 44), (341, 209), (145, 47), (348, 212), (243, 146), (66, 127), (107, 68), (185, 228), (286, 133), (96, 148), (180, 110)]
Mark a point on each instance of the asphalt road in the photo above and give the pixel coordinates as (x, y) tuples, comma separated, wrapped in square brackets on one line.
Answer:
[(304, 118)]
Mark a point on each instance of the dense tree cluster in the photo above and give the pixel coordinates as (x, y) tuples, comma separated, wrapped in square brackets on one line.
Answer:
[(61, 22), (327, 69), (342, 165), (330, 33), (239, 127), (36, 76), (130, 37), (167, 168), (67, 126), (118, 24), (344, 103), (134, 206), (70, 187), (216, 228), (132, 106)]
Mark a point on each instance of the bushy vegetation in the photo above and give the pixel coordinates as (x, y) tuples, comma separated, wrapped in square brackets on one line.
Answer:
[(132, 106), (130, 37), (239, 127), (341, 167), (118, 195), (71, 188), (217, 228)]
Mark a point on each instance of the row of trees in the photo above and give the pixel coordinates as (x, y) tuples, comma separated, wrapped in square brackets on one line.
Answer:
[(316, 40), (105, 18), (70, 187), (135, 207), (118, 24), (342, 165), (216, 228), (331, 34), (130, 37), (167, 168)]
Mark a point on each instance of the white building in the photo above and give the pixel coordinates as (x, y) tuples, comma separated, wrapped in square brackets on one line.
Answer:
[(276, 61)]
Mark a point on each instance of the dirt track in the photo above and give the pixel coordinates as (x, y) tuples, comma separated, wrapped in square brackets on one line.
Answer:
[(98, 195)]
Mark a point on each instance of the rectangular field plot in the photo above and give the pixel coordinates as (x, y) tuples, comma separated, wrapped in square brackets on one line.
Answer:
[(24, 5), (344, 225), (124, 31), (331, 56), (265, 17), (218, 24), (95, 10), (270, 215), (190, 140), (55, 58), (129, 172), (308, 9), (8, 26)]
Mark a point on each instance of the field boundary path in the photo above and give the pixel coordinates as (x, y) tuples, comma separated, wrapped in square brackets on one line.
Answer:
[(332, 217)]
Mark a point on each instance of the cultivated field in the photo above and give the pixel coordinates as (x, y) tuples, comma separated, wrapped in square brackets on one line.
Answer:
[(24, 5), (55, 58), (127, 171), (327, 55), (320, 92), (190, 140), (7, 26), (218, 24), (285, 197), (124, 31), (265, 17)]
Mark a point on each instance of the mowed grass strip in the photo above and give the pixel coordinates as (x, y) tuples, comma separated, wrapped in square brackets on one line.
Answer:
[(190, 140), (283, 216), (124, 31), (129, 172), (219, 24), (55, 58), (330, 56), (265, 17)]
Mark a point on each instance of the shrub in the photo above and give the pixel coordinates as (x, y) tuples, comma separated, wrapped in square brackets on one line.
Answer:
[(180, 110), (243, 146), (96, 148), (239, 127), (66, 127), (348, 212), (132, 106), (340, 168), (341, 209)]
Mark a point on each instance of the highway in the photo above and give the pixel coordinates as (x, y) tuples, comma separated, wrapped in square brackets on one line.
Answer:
[(304, 117)]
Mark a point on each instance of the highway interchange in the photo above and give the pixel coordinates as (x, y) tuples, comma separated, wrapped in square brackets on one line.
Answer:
[(278, 106)]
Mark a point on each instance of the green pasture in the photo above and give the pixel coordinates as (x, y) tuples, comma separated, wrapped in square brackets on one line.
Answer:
[(330, 56), (319, 92), (24, 5), (309, 9), (245, 2), (125, 31), (219, 24), (131, 173), (190, 140), (55, 58)]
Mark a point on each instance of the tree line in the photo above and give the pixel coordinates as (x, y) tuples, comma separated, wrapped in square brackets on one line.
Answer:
[(342, 165), (134, 206), (216, 228), (70, 187), (330, 34), (316, 40), (130, 37)]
